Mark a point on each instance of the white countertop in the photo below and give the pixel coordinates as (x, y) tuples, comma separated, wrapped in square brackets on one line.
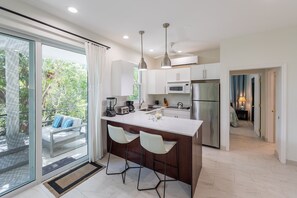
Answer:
[(179, 126)]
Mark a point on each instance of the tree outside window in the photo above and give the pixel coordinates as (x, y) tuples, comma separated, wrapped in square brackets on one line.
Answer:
[(136, 86)]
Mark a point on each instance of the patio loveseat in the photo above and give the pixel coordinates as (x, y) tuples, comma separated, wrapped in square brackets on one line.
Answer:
[(60, 133)]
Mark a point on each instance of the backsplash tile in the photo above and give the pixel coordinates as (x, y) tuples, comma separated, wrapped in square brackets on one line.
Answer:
[(173, 99)]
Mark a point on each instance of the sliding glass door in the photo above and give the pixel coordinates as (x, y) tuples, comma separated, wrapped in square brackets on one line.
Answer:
[(17, 112), (63, 96), (64, 107)]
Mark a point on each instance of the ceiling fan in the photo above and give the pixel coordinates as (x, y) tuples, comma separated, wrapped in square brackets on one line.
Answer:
[(175, 52)]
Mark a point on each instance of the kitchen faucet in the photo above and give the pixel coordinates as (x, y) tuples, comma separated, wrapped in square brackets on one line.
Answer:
[(140, 103)]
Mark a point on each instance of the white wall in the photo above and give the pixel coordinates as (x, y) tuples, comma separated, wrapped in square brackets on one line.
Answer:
[(204, 57), (117, 51), (266, 49)]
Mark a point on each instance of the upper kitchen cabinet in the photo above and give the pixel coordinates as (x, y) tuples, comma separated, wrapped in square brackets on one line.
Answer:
[(205, 72), (178, 75), (122, 78), (156, 81)]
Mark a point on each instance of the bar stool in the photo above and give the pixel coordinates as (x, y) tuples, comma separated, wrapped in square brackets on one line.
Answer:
[(120, 136), (155, 145)]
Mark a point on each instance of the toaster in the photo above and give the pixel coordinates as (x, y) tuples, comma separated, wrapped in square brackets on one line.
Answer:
[(121, 110)]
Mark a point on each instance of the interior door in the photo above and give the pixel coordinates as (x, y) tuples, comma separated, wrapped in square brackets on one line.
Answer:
[(253, 100)]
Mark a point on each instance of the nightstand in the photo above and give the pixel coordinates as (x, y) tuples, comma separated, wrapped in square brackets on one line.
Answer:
[(242, 114)]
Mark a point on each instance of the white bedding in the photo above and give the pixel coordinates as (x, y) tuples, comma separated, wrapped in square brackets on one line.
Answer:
[(233, 117)]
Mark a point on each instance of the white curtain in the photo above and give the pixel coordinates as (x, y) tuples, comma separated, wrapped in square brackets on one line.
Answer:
[(96, 60)]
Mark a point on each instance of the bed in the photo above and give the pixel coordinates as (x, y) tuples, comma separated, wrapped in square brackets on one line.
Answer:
[(233, 117)]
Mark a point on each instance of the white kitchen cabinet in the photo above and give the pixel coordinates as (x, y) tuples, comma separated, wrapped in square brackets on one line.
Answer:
[(177, 113), (122, 78), (156, 81), (205, 72), (178, 75)]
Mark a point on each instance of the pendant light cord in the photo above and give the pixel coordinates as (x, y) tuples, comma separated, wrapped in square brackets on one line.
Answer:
[(141, 46), (166, 40)]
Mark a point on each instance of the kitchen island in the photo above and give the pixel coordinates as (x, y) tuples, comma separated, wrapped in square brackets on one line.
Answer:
[(186, 132)]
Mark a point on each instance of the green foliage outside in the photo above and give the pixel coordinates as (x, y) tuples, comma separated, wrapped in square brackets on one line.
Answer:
[(23, 91), (2, 91), (136, 86), (64, 89)]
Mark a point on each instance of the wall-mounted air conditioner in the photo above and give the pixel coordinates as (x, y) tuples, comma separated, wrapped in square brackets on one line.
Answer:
[(188, 60)]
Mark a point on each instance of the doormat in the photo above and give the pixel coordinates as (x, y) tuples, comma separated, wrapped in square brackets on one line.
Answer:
[(56, 165), (69, 180)]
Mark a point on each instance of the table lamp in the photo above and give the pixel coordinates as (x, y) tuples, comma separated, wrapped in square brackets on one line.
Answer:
[(242, 100)]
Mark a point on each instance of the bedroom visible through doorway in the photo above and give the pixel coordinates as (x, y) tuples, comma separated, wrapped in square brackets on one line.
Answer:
[(252, 106)]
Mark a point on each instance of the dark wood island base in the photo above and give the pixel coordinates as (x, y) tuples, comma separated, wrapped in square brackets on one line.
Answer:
[(189, 153)]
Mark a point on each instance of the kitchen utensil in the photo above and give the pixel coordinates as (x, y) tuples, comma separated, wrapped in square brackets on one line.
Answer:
[(180, 105)]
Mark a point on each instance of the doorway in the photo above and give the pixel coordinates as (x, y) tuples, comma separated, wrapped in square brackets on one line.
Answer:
[(264, 109), (245, 101)]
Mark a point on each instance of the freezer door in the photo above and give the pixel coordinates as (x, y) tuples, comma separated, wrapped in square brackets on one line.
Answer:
[(206, 91), (208, 112)]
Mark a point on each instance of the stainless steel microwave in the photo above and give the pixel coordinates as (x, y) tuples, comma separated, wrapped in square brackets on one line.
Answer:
[(180, 87)]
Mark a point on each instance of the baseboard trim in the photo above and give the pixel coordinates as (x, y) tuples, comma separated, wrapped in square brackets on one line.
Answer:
[(291, 162), (276, 154), (223, 148)]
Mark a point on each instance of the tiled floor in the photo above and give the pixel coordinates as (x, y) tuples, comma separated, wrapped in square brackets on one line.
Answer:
[(249, 170), (245, 128)]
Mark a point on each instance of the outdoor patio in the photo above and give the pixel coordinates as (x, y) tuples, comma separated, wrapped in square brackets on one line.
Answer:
[(15, 164)]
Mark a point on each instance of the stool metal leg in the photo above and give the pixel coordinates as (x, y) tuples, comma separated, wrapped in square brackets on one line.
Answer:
[(165, 173), (165, 166), (127, 167)]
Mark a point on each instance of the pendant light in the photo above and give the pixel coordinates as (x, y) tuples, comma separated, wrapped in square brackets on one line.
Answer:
[(166, 63), (142, 65)]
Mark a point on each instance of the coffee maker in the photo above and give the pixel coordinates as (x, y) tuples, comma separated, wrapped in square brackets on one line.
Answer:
[(111, 103), (130, 105)]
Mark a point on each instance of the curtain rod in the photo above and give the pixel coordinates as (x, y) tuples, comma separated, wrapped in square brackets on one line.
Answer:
[(57, 28)]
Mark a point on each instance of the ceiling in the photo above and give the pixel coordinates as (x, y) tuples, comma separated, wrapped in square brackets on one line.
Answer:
[(195, 25)]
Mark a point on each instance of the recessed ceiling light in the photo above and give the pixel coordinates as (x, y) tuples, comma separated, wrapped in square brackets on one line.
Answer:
[(72, 9), (151, 50), (125, 37), (179, 51)]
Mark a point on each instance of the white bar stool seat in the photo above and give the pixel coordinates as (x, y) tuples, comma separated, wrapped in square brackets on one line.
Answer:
[(119, 135), (156, 145)]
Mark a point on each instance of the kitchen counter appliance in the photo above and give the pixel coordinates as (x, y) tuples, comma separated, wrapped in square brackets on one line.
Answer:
[(111, 103), (206, 107), (131, 106), (122, 110), (178, 87)]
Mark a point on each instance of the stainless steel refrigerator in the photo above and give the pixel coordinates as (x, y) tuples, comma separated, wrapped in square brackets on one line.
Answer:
[(206, 107)]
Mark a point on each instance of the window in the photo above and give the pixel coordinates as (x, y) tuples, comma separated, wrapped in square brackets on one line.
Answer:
[(17, 113), (64, 107), (136, 86)]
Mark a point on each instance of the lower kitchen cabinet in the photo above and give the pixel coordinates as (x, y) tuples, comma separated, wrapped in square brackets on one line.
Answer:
[(177, 113)]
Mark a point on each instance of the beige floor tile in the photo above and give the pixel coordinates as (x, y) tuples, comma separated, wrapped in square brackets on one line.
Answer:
[(249, 170)]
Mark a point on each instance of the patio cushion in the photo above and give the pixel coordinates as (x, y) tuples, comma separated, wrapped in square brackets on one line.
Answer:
[(57, 121), (59, 136), (76, 122), (68, 123)]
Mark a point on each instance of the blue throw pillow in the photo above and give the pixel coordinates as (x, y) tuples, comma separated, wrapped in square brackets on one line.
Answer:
[(67, 123), (57, 121)]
